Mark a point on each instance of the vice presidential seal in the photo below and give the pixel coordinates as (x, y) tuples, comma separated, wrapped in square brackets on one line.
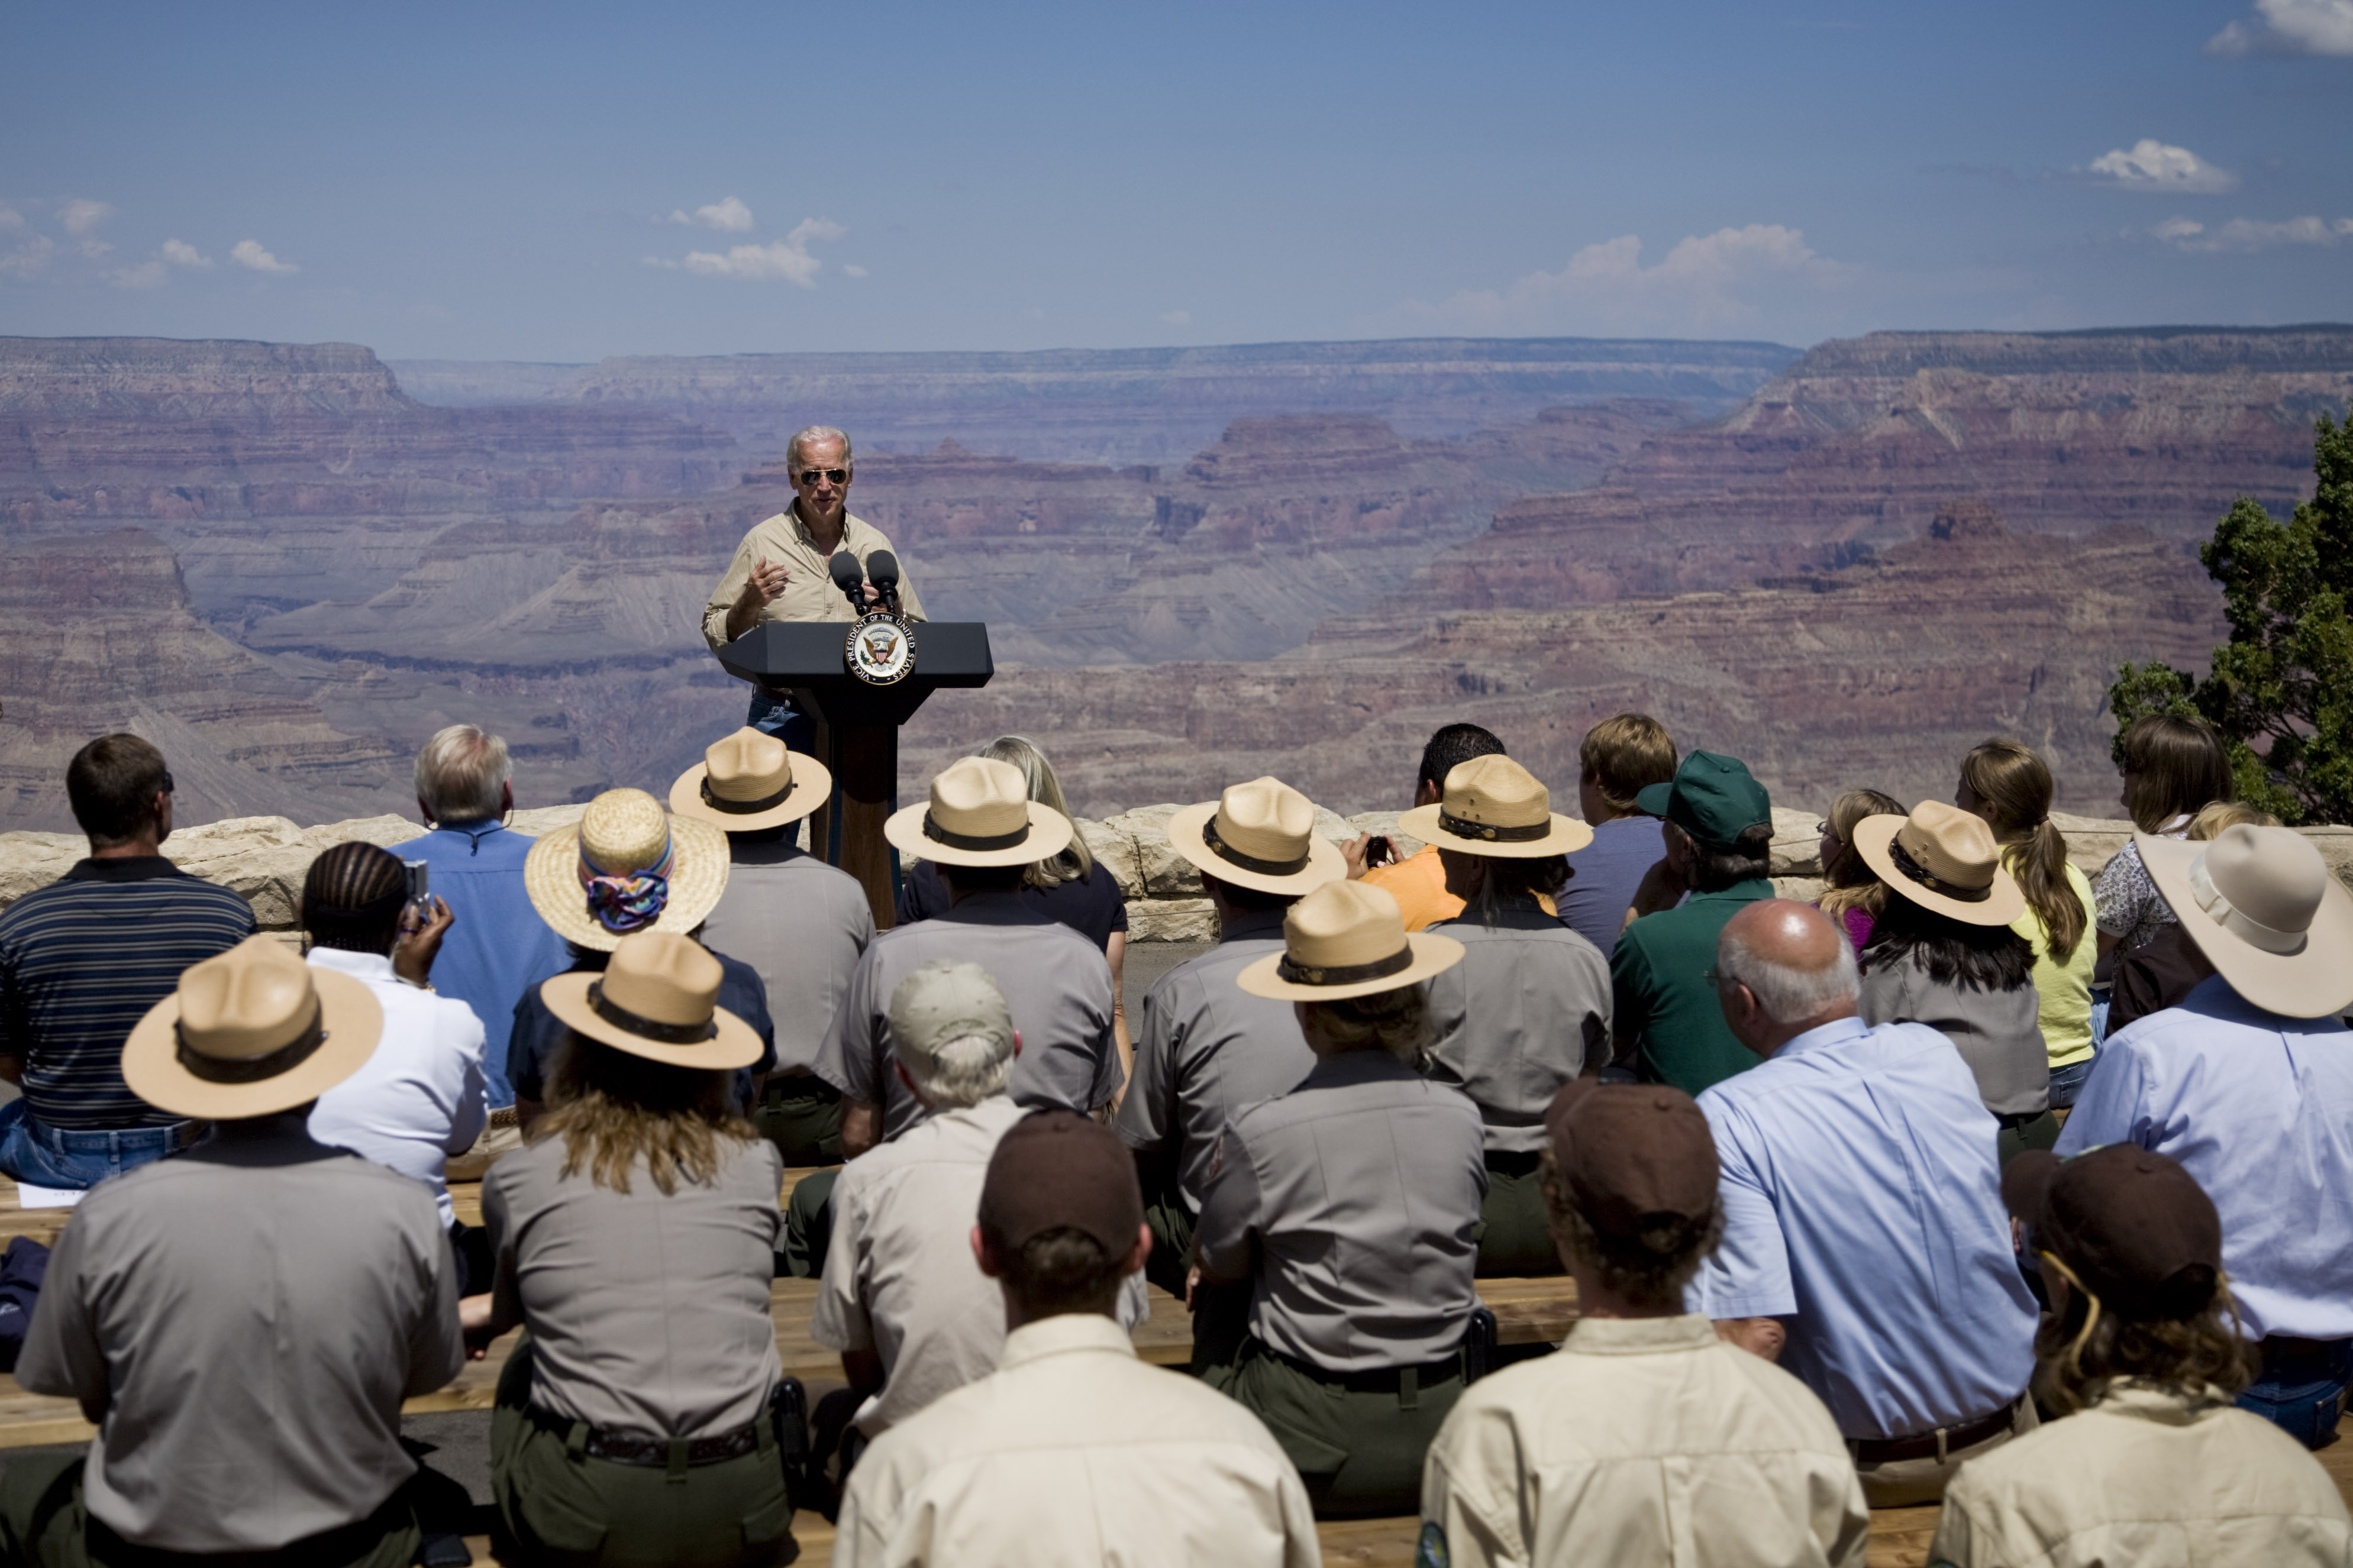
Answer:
[(880, 649)]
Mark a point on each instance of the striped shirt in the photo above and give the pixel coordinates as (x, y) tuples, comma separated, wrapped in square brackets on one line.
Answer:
[(83, 959)]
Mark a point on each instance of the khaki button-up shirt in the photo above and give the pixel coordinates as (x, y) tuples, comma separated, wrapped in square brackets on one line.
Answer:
[(1074, 1454), (2147, 1477), (1644, 1440), (810, 596)]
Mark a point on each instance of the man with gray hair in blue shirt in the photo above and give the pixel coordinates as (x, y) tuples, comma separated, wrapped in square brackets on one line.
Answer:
[(1865, 1245)]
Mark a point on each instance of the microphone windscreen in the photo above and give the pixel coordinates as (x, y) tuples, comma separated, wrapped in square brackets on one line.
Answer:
[(843, 565), (883, 569)]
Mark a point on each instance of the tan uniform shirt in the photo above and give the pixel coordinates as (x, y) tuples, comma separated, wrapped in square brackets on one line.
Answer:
[(1073, 1455), (1644, 1440), (2147, 1477), (810, 596)]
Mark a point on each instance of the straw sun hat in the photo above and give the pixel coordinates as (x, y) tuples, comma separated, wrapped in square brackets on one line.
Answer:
[(1942, 859), (2261, 905), (1347, 939), (1260, 835), (1495, 808), (659, 998), (629, 866), (979, 813), (750, 781), (250, 1031)]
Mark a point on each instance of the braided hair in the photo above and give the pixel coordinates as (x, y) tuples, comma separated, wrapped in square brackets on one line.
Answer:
[(352, 898)]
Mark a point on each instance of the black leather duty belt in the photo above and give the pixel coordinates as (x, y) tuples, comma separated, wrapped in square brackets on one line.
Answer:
[(654, 1452), (1934, 1445)]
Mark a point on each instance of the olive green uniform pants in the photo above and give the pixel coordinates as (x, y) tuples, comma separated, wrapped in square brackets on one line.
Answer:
[(43, 1521), (800, 1113), (808, 1225), (1514, 1228), (1356, 1440)]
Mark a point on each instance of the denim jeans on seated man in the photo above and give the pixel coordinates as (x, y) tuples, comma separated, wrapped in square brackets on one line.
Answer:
[(49, 1156)]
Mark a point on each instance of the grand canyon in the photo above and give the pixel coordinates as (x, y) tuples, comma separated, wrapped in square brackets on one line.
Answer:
[(290, 564)]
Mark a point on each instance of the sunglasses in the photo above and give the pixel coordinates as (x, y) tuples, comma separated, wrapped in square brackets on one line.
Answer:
[(167, 781), (839, 475)]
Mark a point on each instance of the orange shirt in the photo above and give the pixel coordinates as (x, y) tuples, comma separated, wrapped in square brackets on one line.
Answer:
[(1419, 885)]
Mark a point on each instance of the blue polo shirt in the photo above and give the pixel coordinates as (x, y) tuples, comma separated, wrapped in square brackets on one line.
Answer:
[(498, 948)]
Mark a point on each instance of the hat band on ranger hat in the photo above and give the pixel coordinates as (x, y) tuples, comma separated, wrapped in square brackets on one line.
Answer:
[(1258, 863), (1933, 883), (250, 1070), (954, 840), (620, 1018), (1499, 833), (625, 901), (2236, 920), (742, 807), (1299, 973)]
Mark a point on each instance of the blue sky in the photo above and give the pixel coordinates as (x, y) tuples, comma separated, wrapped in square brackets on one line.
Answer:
[(556, 183)]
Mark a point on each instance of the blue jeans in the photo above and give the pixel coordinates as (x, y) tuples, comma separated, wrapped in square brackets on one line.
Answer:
[(773, 716), (33, 1151), (2301, 1387), (2067, 1082)]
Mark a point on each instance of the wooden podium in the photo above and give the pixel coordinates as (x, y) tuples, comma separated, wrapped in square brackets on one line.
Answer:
[(858, 726)]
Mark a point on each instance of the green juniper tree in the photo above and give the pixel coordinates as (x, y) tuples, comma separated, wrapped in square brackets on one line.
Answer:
[(2282, 687)]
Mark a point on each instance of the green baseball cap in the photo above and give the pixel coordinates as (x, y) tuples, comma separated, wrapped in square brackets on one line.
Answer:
[(1711, 797)]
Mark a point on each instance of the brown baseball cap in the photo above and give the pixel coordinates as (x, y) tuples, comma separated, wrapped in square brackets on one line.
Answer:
[(2135, 1227), (1056, 1169), (1638, 1161)]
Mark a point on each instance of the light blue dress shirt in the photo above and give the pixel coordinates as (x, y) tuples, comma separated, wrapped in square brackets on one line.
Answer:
[(498, 946), (2258, 1109), (1862, 1202)]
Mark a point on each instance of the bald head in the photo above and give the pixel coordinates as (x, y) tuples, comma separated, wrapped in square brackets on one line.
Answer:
[(1782, 968)]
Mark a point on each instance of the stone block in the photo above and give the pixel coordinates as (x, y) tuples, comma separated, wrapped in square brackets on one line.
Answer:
[(1161, 872), (1171, 920), (1116, 851)]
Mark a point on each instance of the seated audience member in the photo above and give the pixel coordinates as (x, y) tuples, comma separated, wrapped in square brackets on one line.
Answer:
[(85, 958), (1353, 1202), (1852, 893), (2173, 767), (2168, 966), (1618, 760), (800, 923), (1864, 1243), (1945, 954), (635, 1235), (497, 951), (2140, 1355), (1528, 1007), (626, 866), (241, 1322), (2249, 1084), (1209, 1049), (1072, 1454), (420, 1097), (1703, 1452), (1419, 881), (2007, 783), (1719, 843)]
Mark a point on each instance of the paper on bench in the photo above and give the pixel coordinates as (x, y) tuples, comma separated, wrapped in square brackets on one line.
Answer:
[(29, 1197)]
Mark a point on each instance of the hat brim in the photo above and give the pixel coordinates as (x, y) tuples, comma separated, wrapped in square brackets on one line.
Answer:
[(698, 876), (812, 786), (1050, 834), (1431, 955), (2314, 983), (2026, 1185), (1652, 800), (1187, 838), (737, 1044), (1566, 836), (1874, 839), (348, 1012)]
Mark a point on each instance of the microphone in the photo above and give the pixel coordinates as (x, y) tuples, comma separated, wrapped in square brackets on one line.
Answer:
[(882, 571), (842, 566)]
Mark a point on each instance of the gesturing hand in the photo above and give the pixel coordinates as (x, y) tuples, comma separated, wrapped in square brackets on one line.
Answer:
[(767, 580)]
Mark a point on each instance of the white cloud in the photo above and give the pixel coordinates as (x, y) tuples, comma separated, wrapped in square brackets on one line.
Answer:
[(2245, 235), (181, 253), (28, 258), (2151, 166), (82, 215), (851, 270), (1704, 278), (787, 259), (11, 218), (729, 217), (93, 248), (248, 253), (1177, 317), (2289, 27), (146, 275)]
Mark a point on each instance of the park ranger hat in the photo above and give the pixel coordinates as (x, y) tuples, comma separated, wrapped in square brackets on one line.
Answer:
[(1491, 806), (626, 866), (750, 781), (250, 1031), (658, 998), (1344, 939), (1942, 859), (980, 814), (2261, 905), (1260, 835)]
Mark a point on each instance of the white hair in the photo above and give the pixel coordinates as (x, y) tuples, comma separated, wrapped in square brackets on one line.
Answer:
[(962, 1071), (815, 433), (460, 774), (1788, 994)]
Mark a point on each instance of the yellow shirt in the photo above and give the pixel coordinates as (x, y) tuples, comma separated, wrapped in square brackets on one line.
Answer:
[(2063, 991), (810, 596)]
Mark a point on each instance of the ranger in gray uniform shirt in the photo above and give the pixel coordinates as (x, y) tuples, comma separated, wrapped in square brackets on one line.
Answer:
[(243, 1321), (802, 924), (1528, 1007)]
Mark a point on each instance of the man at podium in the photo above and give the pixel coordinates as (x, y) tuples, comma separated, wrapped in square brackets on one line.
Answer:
[(780, 571)]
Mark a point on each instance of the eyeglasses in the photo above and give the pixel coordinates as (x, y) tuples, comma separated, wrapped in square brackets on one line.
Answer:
[(839, 475), (1827, 831), (167, 781)]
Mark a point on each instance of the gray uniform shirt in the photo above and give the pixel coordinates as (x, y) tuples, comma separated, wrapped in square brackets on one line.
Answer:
[(649, 1313), (802, 925), (254, 1311), (1998, 1033), (1056, 985), (1360, 1189), (1209, 1050), (1518, 1018)]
